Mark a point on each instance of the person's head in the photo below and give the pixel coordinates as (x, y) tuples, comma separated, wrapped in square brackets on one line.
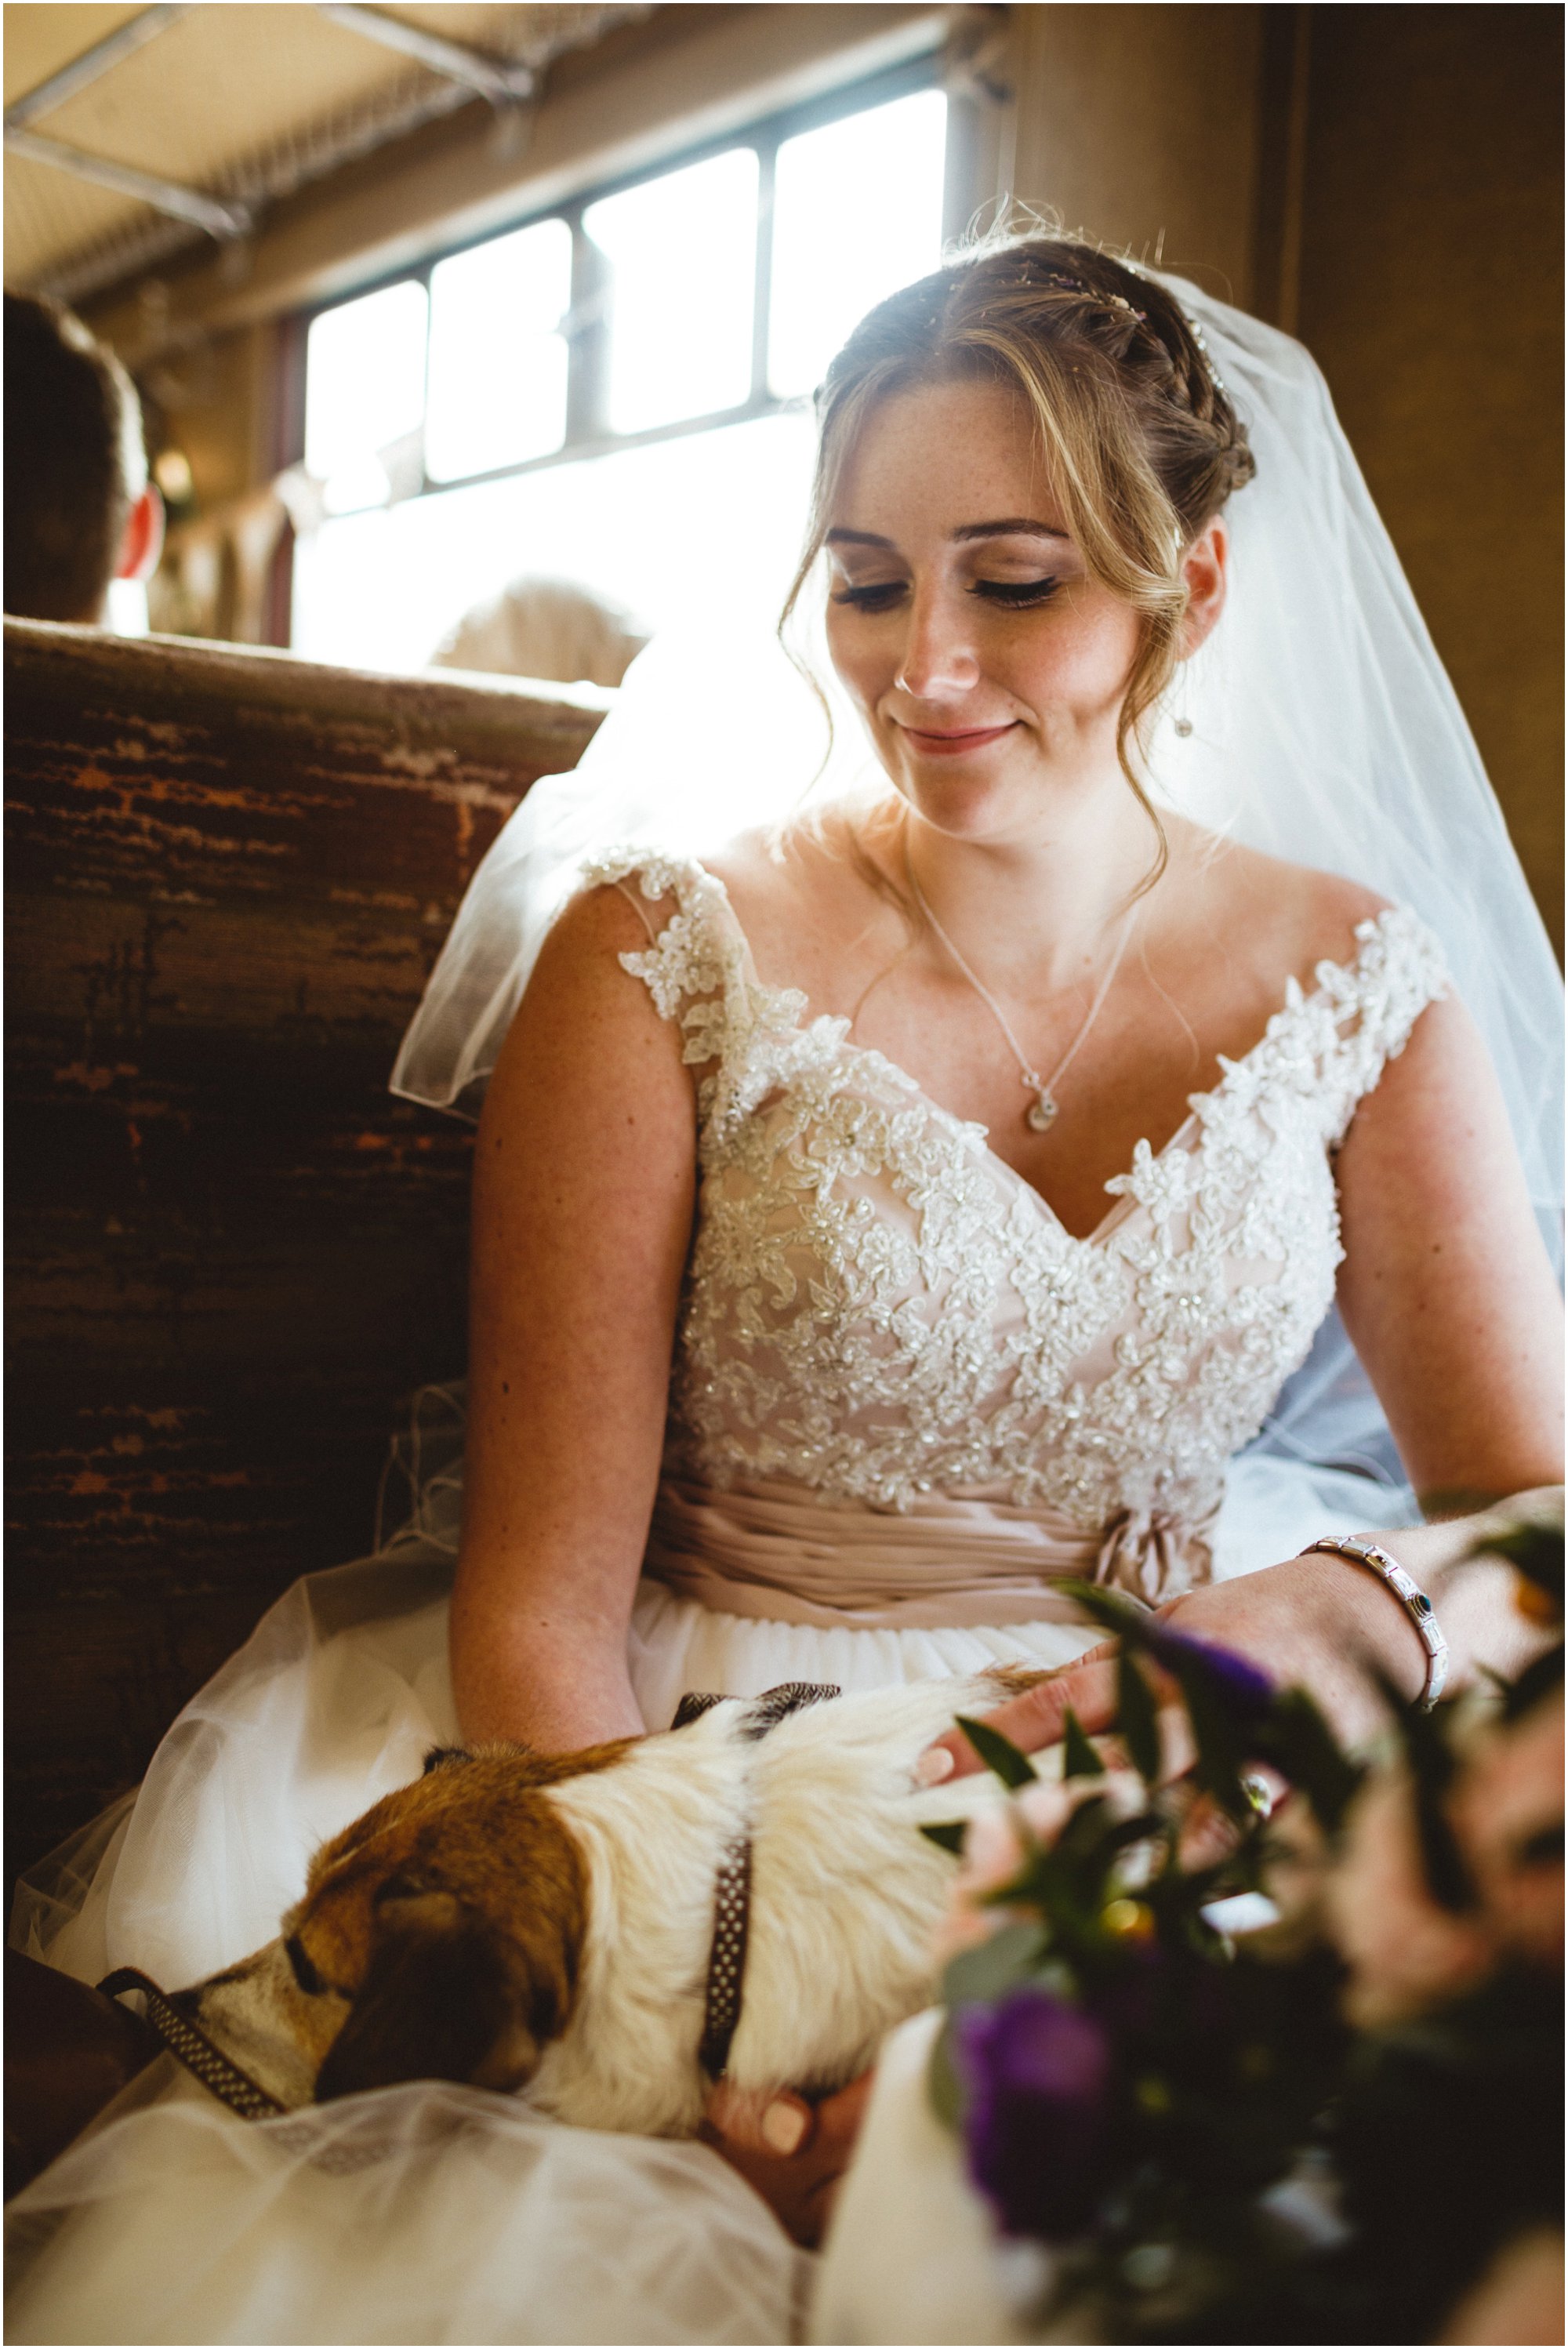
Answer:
[(1035, 382), (80, 508)]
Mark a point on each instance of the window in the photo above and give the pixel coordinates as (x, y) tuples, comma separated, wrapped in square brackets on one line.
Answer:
[(563, 399), (682, 256), (497, 385), (857, 212)]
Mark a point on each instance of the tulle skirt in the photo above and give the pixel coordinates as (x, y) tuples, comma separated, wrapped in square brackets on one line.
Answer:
[(429, 2212)]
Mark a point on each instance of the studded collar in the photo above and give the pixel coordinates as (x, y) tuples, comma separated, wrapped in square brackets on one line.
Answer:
[(732, 1882)]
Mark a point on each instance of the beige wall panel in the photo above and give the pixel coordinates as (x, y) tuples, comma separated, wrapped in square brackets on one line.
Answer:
[(39, 40), (1432, 296), (1140, 125)]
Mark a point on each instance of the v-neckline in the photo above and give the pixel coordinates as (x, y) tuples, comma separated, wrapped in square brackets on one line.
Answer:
[(1294, 998)]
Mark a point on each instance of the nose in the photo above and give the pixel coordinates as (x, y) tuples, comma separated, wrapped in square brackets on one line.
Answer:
[(939, 660)]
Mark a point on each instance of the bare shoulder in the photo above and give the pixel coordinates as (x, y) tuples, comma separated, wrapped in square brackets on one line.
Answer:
[(581, 952), (585, 1017), (808, 906), (1292, 916)]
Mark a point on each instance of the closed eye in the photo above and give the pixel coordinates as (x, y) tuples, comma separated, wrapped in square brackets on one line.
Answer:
[(1016, 595), (304, 1973), (880, 595)]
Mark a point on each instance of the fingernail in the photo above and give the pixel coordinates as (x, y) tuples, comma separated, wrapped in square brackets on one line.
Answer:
[(783, 2125), (935, 1765)]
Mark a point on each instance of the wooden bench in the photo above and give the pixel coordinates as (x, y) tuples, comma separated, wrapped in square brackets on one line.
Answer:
[(232, 1252)]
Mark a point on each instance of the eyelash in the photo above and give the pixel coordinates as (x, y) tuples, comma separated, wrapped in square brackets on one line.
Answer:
[(1020, 595)]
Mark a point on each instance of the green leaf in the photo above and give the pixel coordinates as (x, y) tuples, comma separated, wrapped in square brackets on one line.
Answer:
[(1300, 1743), (946, 1833), (1432, 1764), (1218, 1766), (999, 1754), (1079, 1759), (1538, 1680), (1136, 1718), (1123, 1617), (1544, 1848), (980, 1976), (944, 2088), (1535, 1550)]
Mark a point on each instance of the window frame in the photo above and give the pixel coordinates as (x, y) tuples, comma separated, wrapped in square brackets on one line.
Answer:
[(585, 325)]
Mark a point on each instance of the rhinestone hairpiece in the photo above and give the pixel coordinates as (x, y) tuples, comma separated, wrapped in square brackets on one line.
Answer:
[(1071, 284), (1196, 331)]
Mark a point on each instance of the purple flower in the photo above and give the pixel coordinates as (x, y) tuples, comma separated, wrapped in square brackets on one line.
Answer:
[(1247, 1693), (1040, 2118)]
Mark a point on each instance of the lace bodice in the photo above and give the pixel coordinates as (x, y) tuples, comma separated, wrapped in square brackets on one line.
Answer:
[(877, 1308)]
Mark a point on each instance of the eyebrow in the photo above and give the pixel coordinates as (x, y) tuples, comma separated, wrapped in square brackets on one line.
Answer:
[(1016, 527)]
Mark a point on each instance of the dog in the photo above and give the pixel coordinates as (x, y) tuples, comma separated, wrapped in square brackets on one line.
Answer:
[(546, 1925)]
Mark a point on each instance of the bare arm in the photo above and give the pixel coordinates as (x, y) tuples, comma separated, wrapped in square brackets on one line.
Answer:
[(585, 1182), (1445, 1288), (1448, 1296)]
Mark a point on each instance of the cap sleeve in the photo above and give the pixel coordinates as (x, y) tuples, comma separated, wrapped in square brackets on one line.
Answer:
[(1374, 1002), (697, 969)]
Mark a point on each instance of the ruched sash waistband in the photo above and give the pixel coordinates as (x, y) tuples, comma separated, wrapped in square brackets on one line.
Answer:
[(763, 1550)]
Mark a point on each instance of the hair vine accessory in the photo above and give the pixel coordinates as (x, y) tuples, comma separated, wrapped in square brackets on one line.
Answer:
[(1196, 331), (1063, 280)]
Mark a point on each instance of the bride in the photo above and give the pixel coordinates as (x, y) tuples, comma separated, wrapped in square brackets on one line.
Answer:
[(902, 1205)]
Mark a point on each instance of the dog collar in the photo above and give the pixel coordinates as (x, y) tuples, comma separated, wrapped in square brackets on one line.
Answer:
[(732, 1883), (194, 2049)]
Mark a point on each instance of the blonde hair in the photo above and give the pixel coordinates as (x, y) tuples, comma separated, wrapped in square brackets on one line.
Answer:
[(1142, 440)]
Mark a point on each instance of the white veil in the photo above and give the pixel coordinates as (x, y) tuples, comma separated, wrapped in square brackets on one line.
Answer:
[(1323, 728)]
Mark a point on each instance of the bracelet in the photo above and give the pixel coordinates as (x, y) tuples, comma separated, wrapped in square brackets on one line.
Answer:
[(1411, 1597)]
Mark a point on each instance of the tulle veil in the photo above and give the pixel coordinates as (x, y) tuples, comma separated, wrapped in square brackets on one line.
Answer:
[(1317, 724)]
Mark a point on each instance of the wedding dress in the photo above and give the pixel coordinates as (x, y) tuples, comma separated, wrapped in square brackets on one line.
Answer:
[(905, 1404)]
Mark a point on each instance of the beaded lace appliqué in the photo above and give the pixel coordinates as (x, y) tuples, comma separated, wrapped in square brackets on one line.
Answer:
[(878, 1308)]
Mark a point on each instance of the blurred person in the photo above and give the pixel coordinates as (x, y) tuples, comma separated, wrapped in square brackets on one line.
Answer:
[(544, 628), (80, 511)]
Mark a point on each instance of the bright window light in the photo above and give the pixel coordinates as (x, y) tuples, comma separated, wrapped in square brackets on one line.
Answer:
[(498, 365), (707, 521), (681, 251), (856, 212), (365, 393)]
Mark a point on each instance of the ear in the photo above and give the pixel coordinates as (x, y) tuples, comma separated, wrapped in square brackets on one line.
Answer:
[(142, 542), (1205, 570), (444, 1999)]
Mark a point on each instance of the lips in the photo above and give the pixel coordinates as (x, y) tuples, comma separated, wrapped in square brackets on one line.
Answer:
[(954, 743)]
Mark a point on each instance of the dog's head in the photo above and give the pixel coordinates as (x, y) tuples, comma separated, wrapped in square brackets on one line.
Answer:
[(439, 1937)]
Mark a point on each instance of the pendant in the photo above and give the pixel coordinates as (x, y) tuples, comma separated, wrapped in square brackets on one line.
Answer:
[(1041, 1113)]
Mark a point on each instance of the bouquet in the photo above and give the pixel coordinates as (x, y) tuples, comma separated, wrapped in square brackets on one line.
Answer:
[(1303, 2086)]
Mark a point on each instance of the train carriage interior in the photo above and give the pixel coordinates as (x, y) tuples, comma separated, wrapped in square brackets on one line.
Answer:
[(474, 348)]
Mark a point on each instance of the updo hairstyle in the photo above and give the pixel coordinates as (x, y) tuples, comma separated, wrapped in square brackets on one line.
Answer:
[(1142, 441)]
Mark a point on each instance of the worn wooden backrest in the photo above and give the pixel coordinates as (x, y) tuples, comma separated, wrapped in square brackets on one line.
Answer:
[(231, 1251)]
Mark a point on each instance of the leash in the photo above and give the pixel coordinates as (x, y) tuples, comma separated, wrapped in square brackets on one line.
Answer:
[(194, 2049), (727, 1954), (732, 1884)]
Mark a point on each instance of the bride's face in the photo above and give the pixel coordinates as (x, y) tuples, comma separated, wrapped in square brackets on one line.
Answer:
[(988, 665)]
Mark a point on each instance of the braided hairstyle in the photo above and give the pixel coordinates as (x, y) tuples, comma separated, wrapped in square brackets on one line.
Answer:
[(1140, 438)]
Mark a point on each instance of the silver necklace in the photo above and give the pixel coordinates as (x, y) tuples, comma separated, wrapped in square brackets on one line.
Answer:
[(1044, 1109)]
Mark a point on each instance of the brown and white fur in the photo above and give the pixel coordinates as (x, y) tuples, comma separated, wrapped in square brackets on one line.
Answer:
[(524, 1923)]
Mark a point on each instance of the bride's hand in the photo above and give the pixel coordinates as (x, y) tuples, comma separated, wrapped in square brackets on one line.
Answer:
[(1320, 1622), (792, 2152)]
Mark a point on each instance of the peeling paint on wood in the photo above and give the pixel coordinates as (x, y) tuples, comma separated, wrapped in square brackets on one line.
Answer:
[(231, 1253)]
